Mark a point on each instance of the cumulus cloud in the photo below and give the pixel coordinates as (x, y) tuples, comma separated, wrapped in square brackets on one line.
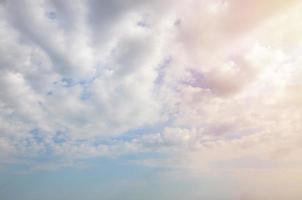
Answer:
[(68, 69), (219, 79)]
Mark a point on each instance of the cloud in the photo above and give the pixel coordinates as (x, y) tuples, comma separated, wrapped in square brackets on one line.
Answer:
[(83, 79), (59, 76)]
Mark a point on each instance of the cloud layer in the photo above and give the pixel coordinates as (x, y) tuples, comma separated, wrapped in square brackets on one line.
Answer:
[(212, 85)]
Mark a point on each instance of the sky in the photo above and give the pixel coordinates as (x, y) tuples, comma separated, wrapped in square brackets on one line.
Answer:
[(147, 100)]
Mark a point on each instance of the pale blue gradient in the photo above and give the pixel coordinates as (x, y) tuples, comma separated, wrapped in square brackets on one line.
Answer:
[(109, 179)]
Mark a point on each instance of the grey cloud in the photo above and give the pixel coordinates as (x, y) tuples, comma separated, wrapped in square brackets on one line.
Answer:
[(57, 76)]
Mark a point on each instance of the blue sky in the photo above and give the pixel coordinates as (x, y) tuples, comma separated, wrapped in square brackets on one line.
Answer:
[(113, 179), (157, 99)]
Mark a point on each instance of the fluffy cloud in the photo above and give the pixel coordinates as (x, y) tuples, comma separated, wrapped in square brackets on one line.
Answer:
[(73, 72), (80, 78)]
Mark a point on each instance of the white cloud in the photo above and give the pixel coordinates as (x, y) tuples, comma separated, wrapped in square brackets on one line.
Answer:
[(77, 75), (68, 69)]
